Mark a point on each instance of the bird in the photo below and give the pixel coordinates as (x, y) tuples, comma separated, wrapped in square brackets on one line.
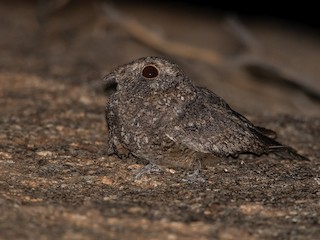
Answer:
[(158, 115)]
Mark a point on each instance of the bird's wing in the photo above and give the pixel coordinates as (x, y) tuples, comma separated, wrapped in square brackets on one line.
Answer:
[(209, 125)]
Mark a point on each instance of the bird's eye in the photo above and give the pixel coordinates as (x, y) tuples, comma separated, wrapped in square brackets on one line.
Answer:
[(150, 71)]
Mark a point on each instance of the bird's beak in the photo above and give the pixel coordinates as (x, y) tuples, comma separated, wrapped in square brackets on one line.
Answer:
[(110, 82)]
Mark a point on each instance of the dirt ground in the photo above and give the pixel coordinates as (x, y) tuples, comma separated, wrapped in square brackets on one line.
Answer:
[(56, 180)]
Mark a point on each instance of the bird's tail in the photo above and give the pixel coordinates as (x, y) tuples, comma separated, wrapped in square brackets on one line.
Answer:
[(282, 151), (286, 152)]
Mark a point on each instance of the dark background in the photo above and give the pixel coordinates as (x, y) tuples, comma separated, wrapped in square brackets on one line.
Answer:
[(303, 13)]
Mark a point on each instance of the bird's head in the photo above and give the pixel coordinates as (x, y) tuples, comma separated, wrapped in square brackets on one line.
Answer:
[(152, 74)]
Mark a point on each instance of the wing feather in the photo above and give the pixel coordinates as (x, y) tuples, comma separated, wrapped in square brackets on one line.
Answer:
[(209, 125)]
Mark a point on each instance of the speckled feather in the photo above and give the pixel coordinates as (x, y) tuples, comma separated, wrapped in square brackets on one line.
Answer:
[(166, 120)]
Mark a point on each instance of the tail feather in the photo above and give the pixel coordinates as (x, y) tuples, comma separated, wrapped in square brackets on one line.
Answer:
[(282, 151), (286, 152)]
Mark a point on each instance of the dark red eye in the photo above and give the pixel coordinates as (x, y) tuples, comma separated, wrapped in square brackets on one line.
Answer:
[(150, 71)]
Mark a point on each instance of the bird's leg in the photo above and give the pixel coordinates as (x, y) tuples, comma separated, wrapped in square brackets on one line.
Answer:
[(148, 169), (195, 176)]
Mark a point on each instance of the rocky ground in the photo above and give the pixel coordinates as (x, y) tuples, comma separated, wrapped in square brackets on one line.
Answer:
[(56, 180)]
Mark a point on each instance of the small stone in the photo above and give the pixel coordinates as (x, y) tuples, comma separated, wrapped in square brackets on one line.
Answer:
[(45, 153)]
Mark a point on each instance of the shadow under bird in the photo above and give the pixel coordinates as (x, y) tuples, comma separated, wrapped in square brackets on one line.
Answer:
[(158, 115)]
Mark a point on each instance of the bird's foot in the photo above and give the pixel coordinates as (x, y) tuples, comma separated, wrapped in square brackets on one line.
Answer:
[(194, 177), (148, 169)]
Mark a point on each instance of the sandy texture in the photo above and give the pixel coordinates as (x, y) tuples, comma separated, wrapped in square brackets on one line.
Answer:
[(56, 180)]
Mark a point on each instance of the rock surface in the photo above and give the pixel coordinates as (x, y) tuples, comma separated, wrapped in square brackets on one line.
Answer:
[(56, 180)]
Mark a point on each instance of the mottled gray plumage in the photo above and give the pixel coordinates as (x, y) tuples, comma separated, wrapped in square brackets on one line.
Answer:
[(158, 115)]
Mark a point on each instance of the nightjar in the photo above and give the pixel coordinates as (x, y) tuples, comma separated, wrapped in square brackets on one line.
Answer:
[(157, 114)]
